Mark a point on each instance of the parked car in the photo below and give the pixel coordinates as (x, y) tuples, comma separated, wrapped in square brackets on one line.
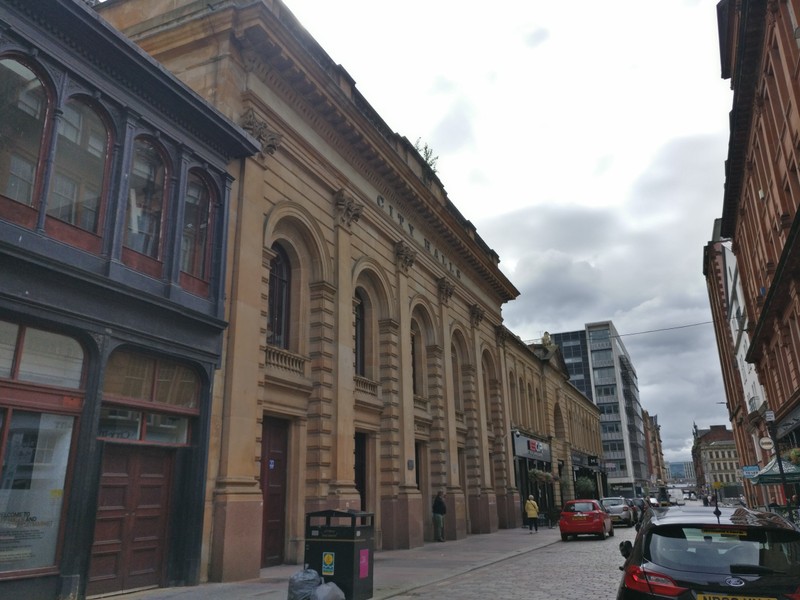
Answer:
[(634, 509), (642, 504), (696, 552), (620, 510), (579, 517)]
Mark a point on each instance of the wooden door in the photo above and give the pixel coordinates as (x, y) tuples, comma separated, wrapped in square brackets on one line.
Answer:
[(130, 535), (274, 440)]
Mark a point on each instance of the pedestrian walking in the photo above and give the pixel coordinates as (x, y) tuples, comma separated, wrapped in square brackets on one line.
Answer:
[(439, 511), (532, 512)]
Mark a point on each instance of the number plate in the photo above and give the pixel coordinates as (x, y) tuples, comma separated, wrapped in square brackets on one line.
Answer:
[(729, 597)]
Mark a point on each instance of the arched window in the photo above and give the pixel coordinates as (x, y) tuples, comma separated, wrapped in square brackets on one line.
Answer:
[(146, 200), (23, 106), (455, 365), (76, 189), (197, 222), (279, 299), (359, 345), (417, 356)]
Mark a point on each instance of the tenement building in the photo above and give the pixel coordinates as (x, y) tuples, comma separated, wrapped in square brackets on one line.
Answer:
[(114, 193), (760, 55)]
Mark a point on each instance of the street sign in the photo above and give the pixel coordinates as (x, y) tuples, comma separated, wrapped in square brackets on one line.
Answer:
[(716, 485), (766, 443), (750, 471), (769, 416)]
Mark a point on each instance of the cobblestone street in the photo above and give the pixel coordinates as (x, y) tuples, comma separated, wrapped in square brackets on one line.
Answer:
[(574, 570)]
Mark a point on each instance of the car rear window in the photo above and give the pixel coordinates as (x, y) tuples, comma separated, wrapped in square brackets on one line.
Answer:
[(613, 501), (725, 549), (580, 507)]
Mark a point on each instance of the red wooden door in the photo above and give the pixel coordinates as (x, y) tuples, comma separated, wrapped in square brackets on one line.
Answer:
[(273, 486), (131, 521)]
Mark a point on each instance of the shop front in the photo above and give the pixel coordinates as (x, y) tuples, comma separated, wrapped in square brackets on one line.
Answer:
[(533, 466)]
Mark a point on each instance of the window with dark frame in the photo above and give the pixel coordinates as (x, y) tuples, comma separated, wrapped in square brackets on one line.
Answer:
[(36, 439), (279, 306), (197, 223), (360, 339)]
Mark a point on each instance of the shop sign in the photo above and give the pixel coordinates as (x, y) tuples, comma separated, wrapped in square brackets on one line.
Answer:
[(530, 448)]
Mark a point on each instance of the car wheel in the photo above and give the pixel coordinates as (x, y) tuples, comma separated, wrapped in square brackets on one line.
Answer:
[(602, 534), (611, 531), (564, 537)]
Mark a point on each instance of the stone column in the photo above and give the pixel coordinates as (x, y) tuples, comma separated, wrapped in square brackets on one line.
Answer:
[(482, 500), (508, 501), (343, 493), (404, 511)]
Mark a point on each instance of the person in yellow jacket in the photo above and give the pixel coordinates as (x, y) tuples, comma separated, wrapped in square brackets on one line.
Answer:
[(532, 512)]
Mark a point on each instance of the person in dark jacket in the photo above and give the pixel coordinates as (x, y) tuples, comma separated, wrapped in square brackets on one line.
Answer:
[(439, 511)]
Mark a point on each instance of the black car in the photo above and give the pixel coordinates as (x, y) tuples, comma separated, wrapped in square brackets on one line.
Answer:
[(705, 553)]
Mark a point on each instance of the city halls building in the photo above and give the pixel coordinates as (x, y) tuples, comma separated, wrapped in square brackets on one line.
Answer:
[(114, 192), (365, 365), (362, 365)]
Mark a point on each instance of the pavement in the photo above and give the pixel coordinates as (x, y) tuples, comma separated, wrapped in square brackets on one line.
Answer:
[(395, 572)]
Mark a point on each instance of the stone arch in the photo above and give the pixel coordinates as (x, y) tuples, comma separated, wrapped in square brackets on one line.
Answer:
[(461, 368), (290, 227), (371, 306), (292, 222)]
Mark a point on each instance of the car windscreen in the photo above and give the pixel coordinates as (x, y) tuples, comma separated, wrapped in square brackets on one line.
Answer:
[(725, 549), (580, 507)]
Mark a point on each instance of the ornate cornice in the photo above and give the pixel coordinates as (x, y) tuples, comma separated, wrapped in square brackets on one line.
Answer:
[(270, 140), (446, 289), (405, 255), (347, 208)]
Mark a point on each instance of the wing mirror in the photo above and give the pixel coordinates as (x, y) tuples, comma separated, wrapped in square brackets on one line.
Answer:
[(625, 548)]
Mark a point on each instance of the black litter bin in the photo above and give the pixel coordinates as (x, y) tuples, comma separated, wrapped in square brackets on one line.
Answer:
[(339, 546)]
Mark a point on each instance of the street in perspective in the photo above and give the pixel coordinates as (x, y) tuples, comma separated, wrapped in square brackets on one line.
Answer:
[(426, 301), (509, 563)]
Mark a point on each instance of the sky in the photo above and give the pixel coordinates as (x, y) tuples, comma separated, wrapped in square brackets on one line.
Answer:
[(586, 141)]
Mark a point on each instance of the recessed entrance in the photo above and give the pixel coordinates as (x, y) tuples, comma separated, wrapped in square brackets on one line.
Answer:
[(130, 534), (275, 435)]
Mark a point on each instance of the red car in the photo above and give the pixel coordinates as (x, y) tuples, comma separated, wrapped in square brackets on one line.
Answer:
[(580, 517)]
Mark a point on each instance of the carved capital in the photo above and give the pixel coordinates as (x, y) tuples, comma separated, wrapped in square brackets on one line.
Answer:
[(270, 140), (348, 210), (476, 314), (446, 289), (501, 333), (405, 255)]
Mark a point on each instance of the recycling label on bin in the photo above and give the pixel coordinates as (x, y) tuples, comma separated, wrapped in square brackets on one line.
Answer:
[(328, 563), (363, 564)]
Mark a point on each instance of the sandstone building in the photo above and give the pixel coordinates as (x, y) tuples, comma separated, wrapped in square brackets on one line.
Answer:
[(346, 344)]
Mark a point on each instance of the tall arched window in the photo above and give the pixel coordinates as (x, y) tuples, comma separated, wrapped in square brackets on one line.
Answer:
[(23, 106), (76, 189), (146, 200), (279, 299), (359, 345), (197, 223), (417, 356), (455, 365)]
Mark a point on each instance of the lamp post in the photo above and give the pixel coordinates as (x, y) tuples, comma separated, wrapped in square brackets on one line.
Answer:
[(769, 417)]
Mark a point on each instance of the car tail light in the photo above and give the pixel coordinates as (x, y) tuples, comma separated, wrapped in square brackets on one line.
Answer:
[(795, 595), (650, 582), (625, 509)]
